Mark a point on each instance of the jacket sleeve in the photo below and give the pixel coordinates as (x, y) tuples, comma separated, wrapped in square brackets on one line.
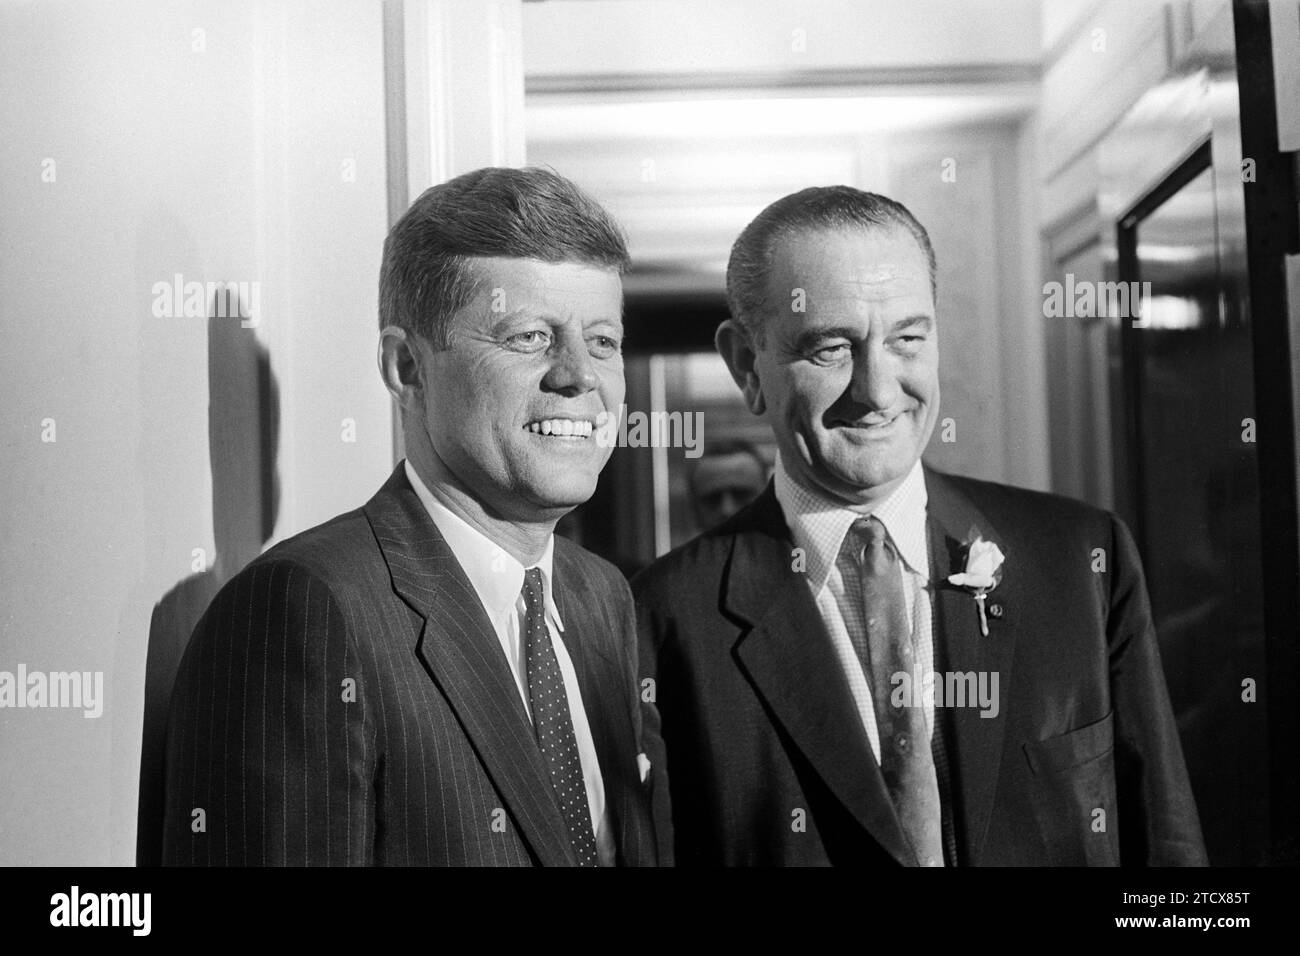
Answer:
[(269, 754), (1158, 821)]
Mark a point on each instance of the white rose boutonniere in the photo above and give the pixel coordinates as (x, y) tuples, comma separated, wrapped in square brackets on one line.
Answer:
[(982, 573)]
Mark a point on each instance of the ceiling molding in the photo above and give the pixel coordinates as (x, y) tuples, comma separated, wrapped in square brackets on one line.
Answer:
[(762, 83)]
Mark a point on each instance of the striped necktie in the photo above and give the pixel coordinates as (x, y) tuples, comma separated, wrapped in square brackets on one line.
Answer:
[(885, 650)]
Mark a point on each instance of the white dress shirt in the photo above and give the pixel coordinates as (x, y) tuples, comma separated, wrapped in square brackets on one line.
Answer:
[(819, 527), (498, 579)]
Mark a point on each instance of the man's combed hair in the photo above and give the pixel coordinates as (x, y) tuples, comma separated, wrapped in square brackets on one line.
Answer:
[(531, 213), (812, 209)]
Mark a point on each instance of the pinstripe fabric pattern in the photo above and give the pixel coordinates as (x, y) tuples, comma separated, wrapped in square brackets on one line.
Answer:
[(344, 700), (498, 580)]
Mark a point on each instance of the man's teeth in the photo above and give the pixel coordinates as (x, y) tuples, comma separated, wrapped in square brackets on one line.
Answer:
[(562, 428)]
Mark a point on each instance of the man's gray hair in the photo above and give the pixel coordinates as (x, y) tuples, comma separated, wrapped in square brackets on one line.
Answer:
[(812, 209), (526, 213)]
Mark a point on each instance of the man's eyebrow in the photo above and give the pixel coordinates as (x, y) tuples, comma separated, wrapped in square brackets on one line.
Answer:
[(912, 321), (514, 316), (530, 313), (527, 313)]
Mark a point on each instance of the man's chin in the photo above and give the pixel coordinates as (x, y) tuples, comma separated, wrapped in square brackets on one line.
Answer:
[(854, 483), (557, 499)]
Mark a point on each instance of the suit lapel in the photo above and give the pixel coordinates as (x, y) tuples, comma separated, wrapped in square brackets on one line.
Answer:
[(461, 652), (976, 742), (789, 660), (604, 699)]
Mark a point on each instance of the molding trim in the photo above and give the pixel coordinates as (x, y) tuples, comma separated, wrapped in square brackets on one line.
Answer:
[(1073, 230), (759, 82)]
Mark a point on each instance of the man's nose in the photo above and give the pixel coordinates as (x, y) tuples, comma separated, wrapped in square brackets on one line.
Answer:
[(571, 372), (875, 382)]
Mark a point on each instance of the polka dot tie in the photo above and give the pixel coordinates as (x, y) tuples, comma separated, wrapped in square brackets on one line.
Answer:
[(884, 651), (553, 723)]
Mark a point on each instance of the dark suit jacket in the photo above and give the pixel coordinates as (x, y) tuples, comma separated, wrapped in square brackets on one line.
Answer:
[(345, 700), (759, 723)]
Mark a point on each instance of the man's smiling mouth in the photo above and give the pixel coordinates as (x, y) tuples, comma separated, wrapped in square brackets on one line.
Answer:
[(870, 426), (576, 428)]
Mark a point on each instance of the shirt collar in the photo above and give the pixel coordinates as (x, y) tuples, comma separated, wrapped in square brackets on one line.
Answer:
[(819, 524), (497, 577)]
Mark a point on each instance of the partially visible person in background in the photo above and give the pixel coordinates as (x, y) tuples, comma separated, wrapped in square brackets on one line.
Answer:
[(729, 475)]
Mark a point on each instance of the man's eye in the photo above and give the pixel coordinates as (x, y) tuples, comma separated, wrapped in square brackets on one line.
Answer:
[(911, 342), (832, 353), (532, 341), (602, 346)]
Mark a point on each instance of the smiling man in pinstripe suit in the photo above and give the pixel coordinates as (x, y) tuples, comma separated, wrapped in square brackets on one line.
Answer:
[(435, 678)]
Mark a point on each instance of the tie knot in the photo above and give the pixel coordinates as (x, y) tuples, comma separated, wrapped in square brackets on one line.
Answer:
[(874, 549), (533, 587), (870, 530)]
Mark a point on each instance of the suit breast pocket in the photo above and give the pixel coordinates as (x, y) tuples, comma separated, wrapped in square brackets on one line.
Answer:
[(1073, 795)]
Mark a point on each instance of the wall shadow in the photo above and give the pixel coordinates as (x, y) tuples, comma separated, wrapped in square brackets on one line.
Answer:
[(243, 438)]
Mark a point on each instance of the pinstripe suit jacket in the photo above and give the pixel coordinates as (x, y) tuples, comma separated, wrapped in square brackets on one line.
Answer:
[(345, 700)]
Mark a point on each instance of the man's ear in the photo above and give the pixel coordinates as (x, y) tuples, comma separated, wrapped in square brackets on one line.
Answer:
[(399, 366), (736, 347)]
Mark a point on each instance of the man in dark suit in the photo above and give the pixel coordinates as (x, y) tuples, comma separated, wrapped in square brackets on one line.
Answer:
[(435, 678), (874, 662)]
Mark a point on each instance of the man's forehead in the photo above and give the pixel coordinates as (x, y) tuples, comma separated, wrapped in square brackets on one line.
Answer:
[(878, 276), (813, 284), (879, 285), (877, 253), (533, 285)]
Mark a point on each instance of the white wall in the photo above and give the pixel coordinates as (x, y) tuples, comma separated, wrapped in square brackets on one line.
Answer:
[(219, 155), (655, 37)]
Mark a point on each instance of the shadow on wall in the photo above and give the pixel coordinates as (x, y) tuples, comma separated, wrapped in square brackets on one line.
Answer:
[(243, 435)]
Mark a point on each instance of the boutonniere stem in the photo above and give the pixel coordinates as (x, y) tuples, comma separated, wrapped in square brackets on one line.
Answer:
[(981, 574)]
